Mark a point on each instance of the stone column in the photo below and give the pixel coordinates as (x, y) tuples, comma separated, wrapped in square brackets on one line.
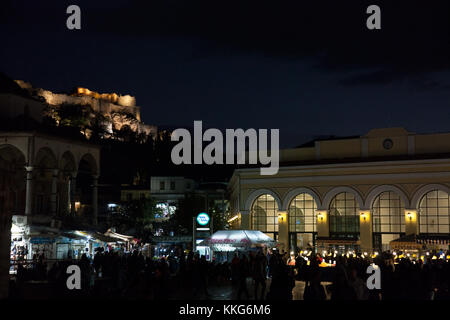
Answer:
[(5, 249), (68, 195), (54, 195), (365, 231), (245, 220), (95, 199), (411, 225), (29, 191), (283, 231), (72, 184), (323, 227)]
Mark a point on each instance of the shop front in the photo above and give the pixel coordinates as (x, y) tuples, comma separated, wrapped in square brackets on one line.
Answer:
[(338, 245)]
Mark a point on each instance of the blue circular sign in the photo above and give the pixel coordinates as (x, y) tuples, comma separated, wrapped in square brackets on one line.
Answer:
[(202, 219)]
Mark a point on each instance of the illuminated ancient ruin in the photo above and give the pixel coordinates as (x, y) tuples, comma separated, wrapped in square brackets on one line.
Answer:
[(118, 110)]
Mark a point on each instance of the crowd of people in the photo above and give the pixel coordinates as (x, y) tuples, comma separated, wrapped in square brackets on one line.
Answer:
[(399, 279), (251, 275)]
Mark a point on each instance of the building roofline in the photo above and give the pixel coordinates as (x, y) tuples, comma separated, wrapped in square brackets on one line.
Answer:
[(48, 136)]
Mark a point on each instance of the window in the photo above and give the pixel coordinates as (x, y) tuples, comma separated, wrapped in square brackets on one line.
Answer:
[(172, 185), (388, 144), (388, 212), (344, 214), (162, 185), (434, 212), (143, 196), (265, 214), (302, 214), (129, 196)]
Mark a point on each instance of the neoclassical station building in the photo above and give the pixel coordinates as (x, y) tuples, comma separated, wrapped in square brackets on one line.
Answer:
[(358, 192)]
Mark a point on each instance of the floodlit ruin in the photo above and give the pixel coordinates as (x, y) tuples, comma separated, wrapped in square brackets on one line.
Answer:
[(117, 110)]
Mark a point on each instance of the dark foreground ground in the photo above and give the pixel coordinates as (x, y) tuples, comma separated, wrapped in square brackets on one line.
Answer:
[(175, 291)]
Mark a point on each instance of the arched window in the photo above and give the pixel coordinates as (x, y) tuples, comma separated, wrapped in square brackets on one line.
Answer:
[(388, 212), (434, 212), (302, 214), (344, 214), (265, 214)]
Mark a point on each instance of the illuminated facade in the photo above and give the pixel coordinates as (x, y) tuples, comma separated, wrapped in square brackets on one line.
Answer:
[(360, 192)]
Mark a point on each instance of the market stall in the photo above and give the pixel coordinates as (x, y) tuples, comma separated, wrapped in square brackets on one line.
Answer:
[(225, 243), (122, 242), (87, 242)]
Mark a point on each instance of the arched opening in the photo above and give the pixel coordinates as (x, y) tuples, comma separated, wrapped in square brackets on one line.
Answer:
[(344, 216), (434, 213), (44, 164), (302, 221), (68, 163), (67, 170), (264, 215), (84, 186), (12, 189), (388, 212), (12, 183)]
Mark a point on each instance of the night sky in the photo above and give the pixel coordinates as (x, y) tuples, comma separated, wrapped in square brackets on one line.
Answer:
[(309, 68)]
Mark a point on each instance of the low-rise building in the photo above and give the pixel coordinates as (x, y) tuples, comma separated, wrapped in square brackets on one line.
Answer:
[(346, 193)]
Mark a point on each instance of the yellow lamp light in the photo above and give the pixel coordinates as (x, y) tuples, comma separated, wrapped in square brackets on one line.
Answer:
[(282, 216), (410, 216), (364, 216), (321, 216)]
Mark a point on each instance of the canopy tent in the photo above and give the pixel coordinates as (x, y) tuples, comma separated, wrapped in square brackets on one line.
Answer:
[(223, 239), (89, 235), (118, 236)]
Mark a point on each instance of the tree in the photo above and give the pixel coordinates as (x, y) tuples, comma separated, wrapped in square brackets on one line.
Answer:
[(187, 209), (99, 126), (74, 115), (138, 214), (220, 220), (191, 206)]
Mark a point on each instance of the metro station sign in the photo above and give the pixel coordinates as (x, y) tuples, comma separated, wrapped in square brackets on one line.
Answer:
[(203, 219)]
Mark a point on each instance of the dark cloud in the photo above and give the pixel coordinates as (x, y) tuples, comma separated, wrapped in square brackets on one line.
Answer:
[(306, 67), (414, 40)]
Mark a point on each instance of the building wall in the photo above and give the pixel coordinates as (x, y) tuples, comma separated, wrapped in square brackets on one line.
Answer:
[(135, 194), (371, 145), (365, 179), (12, 106), (182, 185)]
